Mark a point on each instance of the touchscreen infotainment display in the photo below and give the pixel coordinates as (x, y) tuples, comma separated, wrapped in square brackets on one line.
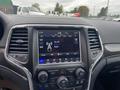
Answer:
[(59, 46)]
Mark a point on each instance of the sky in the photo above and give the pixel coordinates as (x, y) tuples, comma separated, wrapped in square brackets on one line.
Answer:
[(94, 5)]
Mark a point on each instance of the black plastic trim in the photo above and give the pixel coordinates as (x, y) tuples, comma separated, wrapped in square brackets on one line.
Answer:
[(96, 72), (10, 75)]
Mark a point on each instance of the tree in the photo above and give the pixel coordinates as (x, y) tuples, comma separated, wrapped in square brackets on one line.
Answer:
[(103, 12), (58, 8), (61, 9), (36, 5), (84, 11)]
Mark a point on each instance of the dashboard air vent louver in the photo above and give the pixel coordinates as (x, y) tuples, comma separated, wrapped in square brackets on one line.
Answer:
[(19, 41), (94, 42)]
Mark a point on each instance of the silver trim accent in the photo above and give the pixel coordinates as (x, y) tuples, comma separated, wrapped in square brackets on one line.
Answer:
[(10, 61), (27, 72), (96, 61), (10, 32), (112, 47)]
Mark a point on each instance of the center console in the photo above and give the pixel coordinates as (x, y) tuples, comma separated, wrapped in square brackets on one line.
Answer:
[(59, 63), (58, 57)]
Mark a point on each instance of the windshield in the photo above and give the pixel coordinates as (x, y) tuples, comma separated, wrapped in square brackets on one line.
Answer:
[(102, 9)]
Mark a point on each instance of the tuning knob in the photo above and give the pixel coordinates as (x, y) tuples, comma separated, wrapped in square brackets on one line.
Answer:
[(80, 73), (62, 82), (42, 76)]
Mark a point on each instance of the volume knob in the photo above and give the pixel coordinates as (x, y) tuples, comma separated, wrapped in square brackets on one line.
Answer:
[(62, 82), (42, 76), (80, 73)]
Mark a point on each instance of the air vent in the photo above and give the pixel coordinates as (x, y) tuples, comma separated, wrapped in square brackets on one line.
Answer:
[(94, 42), (19, 41)]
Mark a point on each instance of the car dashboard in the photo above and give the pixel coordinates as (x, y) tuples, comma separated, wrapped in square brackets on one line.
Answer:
[(52, 52)]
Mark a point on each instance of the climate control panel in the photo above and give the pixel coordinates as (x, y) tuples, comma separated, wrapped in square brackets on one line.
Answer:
[(64, 78)]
